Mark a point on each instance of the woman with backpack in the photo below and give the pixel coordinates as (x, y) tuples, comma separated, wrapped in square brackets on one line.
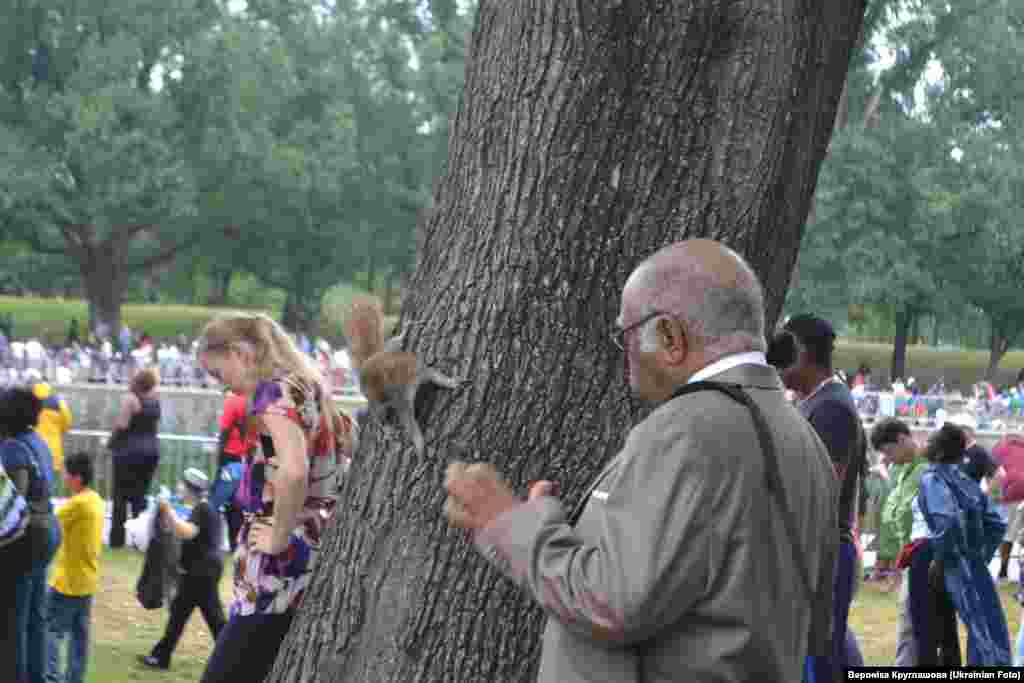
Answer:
[(27, 461)]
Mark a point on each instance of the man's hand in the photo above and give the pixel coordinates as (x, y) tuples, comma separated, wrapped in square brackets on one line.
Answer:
[(477, 495), (542, 488), (262, 539)]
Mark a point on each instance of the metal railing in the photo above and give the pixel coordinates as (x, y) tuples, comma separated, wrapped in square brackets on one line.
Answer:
[(178, 452)]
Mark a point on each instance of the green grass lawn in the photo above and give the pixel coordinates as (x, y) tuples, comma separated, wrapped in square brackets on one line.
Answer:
[(48, 319), (960, 367), (122, 629), (874, 617)]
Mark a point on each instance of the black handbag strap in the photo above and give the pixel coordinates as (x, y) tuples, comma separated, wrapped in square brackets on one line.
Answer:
[(773, 478)]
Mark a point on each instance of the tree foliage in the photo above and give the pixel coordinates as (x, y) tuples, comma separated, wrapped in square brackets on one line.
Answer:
[(916, 203), (291, 139)]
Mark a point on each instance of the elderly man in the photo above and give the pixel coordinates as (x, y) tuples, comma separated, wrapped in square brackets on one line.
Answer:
[(705, 549)]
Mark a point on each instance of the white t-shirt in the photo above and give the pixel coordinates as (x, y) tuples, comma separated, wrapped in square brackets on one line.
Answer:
[(919, 528), (34, 350)]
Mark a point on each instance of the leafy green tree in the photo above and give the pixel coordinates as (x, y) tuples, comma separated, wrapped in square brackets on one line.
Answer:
[(90, 155), (977, 201)]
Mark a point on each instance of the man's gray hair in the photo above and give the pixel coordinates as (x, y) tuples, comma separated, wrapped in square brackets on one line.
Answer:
[(725, 319)]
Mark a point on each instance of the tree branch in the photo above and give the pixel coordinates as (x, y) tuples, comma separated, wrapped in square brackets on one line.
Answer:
[(126, 232), (166, 255), (34, 239)]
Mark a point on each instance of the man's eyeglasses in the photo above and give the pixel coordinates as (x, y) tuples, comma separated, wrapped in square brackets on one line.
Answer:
[(619, 334)]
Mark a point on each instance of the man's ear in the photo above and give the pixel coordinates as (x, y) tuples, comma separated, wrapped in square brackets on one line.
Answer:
[(672, 339)]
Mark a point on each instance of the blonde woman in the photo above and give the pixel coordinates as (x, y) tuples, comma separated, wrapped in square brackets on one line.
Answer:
[(287, 492)]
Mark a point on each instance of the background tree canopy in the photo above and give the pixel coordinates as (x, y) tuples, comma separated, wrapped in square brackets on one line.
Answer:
[(918, 204), (285, 139), (231, 152)]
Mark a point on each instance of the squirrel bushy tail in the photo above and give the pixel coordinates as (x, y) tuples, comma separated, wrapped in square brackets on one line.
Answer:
[(364, 328)]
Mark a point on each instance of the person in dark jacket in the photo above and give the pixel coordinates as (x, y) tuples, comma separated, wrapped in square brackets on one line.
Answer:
[(827, 404), (201, 566), (136, 450)]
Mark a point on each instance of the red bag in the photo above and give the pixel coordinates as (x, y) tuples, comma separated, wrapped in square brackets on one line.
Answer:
[(1009, 452)]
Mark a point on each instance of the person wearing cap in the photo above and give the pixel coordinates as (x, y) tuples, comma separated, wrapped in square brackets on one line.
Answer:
[(201, 567), (54, 422), (828, 405)]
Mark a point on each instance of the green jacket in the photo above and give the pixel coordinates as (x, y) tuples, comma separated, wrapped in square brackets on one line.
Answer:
[(897, 517)]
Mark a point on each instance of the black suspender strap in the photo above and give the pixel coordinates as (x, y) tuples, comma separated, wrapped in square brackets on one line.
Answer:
[(771, 467)]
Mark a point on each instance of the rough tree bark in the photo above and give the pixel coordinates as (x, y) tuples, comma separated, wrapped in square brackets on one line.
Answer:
[(590, 134), (998, 344), (220, 285), (105, 283), (904, 317)]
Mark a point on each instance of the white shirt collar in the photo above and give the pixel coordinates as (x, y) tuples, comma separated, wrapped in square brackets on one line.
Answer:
[(824, 383), (728, 363)]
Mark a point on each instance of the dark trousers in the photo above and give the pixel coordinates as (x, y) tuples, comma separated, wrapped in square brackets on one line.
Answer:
[(246, 648), (933, 616), (833, 668), (131, 483), (8, 627), (193, 592)]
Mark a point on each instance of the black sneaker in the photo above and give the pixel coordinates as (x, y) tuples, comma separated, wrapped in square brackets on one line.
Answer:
[(153, 663)]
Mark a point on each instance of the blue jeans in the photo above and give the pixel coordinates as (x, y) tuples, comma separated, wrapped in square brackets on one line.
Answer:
[(69, 616), (31, 614)]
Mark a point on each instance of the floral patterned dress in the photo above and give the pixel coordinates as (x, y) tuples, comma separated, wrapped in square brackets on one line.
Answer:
[(269, 584)]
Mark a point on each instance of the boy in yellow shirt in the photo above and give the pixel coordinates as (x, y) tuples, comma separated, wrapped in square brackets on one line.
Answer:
[(75, 576)]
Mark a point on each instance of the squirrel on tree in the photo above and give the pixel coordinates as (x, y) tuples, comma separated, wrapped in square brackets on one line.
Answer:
[(399, 388)]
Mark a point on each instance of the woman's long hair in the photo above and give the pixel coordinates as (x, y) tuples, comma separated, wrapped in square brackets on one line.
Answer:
[(276, 355)]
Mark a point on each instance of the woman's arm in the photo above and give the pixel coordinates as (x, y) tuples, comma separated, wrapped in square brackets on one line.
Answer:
[(129, 406), (941, 514), (184, 530), (291, 480)]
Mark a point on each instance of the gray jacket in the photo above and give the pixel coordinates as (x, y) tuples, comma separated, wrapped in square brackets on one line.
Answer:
[(679, 568)]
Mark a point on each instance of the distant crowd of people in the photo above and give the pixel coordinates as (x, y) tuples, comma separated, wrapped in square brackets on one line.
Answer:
[(101, 357)]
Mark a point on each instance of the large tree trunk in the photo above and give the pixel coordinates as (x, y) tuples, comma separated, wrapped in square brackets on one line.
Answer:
[(220, 286), (583, 144), (105, 283), (998, 345), (904, 318)]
